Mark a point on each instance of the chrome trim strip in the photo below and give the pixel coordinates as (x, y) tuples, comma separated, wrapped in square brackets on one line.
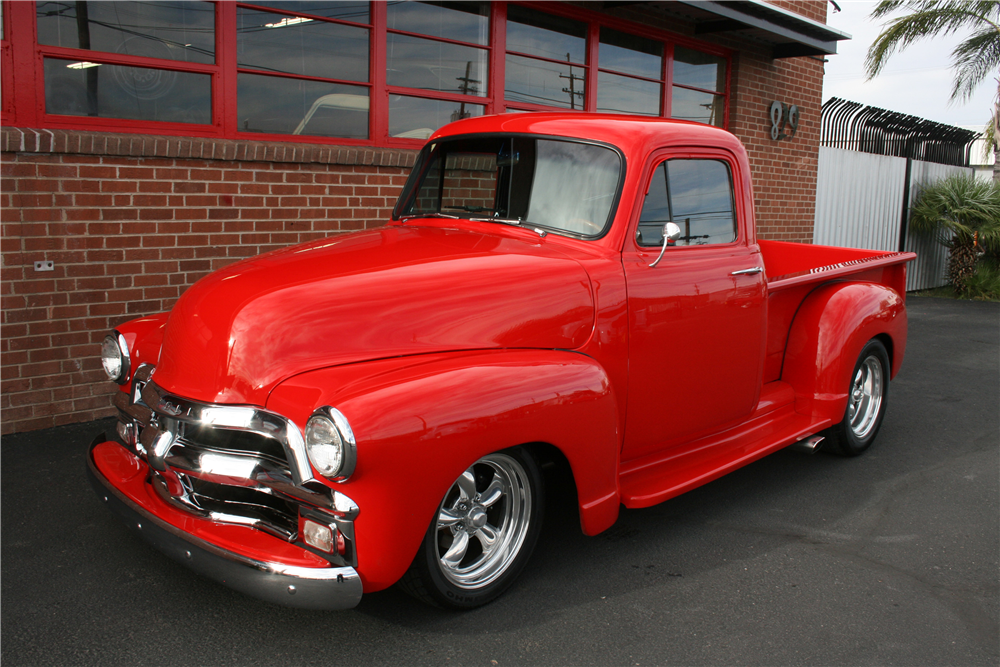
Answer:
[(305, 588), (172, 410)]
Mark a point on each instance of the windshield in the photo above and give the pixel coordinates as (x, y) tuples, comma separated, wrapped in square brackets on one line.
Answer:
[(566, 186)]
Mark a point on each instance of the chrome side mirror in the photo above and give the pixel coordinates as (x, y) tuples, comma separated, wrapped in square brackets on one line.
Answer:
[(671, 232)]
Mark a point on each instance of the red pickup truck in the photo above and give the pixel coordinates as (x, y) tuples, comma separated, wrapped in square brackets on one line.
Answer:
[(371, 408)]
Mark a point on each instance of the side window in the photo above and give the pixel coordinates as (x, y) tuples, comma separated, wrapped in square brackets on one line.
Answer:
[(697, 195)]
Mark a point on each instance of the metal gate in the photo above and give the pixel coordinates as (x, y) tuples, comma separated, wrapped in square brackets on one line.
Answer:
[(869, 164)]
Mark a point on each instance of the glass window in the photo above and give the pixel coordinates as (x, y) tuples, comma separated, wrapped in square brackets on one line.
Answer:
[(697, 195), (630, 54), (460, 21), (698, 106), (544, 35), (343, 10), (622, 94), (299, 45), (544, 82), (277, 105), (169, 30), (699, 70), (516, 178), (431, 65), (418, 117), (82, 88)]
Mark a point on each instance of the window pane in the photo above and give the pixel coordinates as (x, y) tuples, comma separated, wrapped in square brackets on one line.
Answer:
[(544, 35), (331, 9), (276, 105), (630, 54), (280, 43), (430, 65), (702, 107), (701, 201), (574, 186), (417, 118), (171, 30), (542, 82), (621, 94), (74, 88), (701, 70), (461, 21)]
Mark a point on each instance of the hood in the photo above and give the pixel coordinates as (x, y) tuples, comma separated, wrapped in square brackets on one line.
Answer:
[(235, 334)]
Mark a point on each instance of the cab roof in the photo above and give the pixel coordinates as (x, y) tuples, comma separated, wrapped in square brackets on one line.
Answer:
[(634, 135)]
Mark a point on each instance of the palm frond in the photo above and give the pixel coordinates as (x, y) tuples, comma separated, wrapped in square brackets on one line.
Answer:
[(959, 206), (973, 60), (927, 18)]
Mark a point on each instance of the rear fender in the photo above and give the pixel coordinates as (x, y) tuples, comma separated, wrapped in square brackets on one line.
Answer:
[(826, 337), (421, 421)]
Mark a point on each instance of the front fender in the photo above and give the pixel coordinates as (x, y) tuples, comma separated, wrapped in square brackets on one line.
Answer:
[(421, 421), (826, 337)]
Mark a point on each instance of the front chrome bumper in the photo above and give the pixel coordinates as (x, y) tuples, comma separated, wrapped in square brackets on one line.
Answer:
[(326, 588)]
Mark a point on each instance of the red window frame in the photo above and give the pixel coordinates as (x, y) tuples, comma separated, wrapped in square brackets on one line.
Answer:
[(23, 62), (6, 69)]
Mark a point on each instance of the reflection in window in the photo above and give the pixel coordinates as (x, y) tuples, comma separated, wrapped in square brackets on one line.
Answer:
[(544, 82), (630, 54), (699, 70), (697, 195), (169, 30), (460, 21), (621, 94), (431, 65), (546, 36), (277, 43), (697, 106), (81, 88), (343, 10), (276, 105), (418, 117)]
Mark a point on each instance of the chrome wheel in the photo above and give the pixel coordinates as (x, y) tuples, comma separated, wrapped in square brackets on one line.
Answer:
[(483, 521), (865, 402)]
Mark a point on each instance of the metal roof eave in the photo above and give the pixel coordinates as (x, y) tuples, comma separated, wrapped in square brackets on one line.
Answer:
[(790, 34)]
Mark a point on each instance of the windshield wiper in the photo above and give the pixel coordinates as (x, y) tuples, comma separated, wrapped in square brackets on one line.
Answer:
[(505, 221), (404, 218), (470, 209)]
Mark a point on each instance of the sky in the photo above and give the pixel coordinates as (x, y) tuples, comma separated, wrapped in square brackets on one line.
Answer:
[(915, 81)]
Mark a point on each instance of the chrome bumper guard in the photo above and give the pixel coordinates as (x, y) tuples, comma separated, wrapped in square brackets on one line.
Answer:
[(305, 588)]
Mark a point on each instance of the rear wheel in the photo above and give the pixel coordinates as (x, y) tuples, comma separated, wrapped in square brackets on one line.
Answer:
[(482, 535), (866, 402)]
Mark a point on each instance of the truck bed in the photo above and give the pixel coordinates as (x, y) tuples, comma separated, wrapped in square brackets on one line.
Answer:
[(796, 269)]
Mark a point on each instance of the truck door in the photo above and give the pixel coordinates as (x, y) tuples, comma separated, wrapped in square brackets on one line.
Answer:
[(697, 318)]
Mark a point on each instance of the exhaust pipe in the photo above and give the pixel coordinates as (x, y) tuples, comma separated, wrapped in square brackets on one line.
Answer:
[(808, 446)]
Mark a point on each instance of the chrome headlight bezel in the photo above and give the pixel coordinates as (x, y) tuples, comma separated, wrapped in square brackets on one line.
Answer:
[(114, 352), (330, 420)]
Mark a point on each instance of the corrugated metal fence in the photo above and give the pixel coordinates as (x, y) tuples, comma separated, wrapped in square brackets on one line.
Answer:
[(859, 204)]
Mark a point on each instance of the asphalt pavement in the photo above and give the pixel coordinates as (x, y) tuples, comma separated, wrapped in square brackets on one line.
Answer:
[(892, 558)]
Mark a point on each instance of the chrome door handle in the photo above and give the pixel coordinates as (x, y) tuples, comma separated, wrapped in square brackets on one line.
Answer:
[(747, 272)]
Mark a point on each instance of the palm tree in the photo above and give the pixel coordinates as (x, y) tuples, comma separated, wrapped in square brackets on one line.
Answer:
[(963, 213), (973, 60)]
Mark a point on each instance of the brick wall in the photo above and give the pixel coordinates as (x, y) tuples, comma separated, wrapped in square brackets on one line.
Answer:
[(129, 233)]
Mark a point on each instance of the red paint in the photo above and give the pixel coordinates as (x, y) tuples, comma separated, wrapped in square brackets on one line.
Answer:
[(444, 340)]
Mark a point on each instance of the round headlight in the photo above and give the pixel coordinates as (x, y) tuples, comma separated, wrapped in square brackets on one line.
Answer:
[(114, 358), (324, 445)]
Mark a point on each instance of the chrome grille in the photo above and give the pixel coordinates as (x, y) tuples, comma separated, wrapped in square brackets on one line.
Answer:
[(231, 464)]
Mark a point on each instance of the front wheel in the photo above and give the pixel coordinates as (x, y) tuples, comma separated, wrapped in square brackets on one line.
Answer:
[(482, 535), (866, 401)]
